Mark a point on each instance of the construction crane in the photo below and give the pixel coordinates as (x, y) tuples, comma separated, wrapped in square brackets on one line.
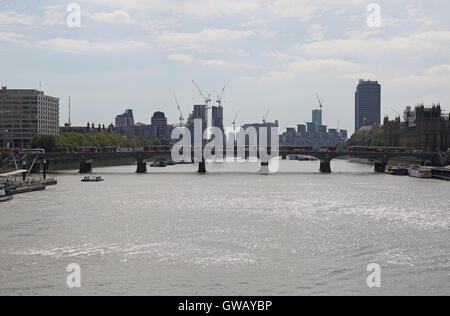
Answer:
[(398, 113), (179, 110), (234, 121), (265, 117), (206, 99), (219, 98), (320, 102)]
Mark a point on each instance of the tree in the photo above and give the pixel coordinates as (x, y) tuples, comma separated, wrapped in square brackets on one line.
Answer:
[(76, 140), (373, 138)]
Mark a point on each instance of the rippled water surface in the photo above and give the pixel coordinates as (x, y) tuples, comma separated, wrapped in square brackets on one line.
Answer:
[(230, 232)]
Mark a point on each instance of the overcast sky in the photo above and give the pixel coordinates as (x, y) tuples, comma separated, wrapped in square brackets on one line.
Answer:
[(270, 54)]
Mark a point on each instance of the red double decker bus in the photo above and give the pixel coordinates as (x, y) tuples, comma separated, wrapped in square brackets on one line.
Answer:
[(110, 149), (59, 150), (327, 149), (358, 149), (161, 148), (87, 150)]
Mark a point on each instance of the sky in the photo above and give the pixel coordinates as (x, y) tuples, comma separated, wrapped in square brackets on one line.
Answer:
[(270, 54)]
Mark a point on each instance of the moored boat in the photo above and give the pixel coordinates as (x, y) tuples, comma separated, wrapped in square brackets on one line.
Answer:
[(89, 179), (48, 182), (158, 164), (420, 172), (25, 188), (441, 173), (4, 197), (399, 170)]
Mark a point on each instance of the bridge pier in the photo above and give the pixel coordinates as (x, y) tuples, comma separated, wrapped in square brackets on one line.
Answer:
[(85, 167), (202, 167), (380, 166), (141, 167), (325, 166)]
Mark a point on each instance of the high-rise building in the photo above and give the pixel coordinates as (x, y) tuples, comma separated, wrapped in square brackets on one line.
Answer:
[(25, 114), (301, 128), (125, 120), (159, 125), (367, 104), (268, 126), (317, 117), (198, 113), (217, 117)]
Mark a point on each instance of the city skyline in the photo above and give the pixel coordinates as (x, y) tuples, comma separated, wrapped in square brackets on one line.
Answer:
[(269, 54)]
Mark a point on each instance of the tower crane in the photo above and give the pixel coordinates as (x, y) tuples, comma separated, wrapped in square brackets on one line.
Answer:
[(179, 110), (207, 99), (265, 117), (234, 121), (219, 98), (320, 102)]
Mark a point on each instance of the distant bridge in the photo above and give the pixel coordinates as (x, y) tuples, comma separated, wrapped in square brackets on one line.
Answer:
[(380, 159)]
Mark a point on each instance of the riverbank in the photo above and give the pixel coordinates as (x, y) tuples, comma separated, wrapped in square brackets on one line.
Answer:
[(403, 161)]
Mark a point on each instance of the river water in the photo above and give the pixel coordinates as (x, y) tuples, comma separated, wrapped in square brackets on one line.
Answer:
[(230, 232)]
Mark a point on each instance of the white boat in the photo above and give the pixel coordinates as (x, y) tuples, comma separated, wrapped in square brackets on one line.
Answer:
[(95, 179), (420, 172)]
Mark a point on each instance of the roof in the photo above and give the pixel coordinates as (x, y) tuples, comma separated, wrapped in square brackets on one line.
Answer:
[(13, 173)]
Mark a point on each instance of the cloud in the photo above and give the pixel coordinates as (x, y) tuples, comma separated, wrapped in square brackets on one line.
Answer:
[(54, 15), (435, 75), (212, 62), (200, 40), (316, 32), (322, 66), (312, 68), (436, 42), (306, 10), (117, 16), (11, 17), (83, 47), (199, 8), (13, 38), (181, 58)]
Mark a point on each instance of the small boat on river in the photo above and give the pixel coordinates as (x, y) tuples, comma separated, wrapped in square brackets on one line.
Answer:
[(420, 172), (93, 179), (399, 170)]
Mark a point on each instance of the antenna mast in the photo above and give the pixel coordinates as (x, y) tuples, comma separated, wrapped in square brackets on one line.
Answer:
[(69, 112)]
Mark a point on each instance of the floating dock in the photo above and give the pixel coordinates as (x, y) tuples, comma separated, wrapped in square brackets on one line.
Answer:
[(441, 173), (25, 189)]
